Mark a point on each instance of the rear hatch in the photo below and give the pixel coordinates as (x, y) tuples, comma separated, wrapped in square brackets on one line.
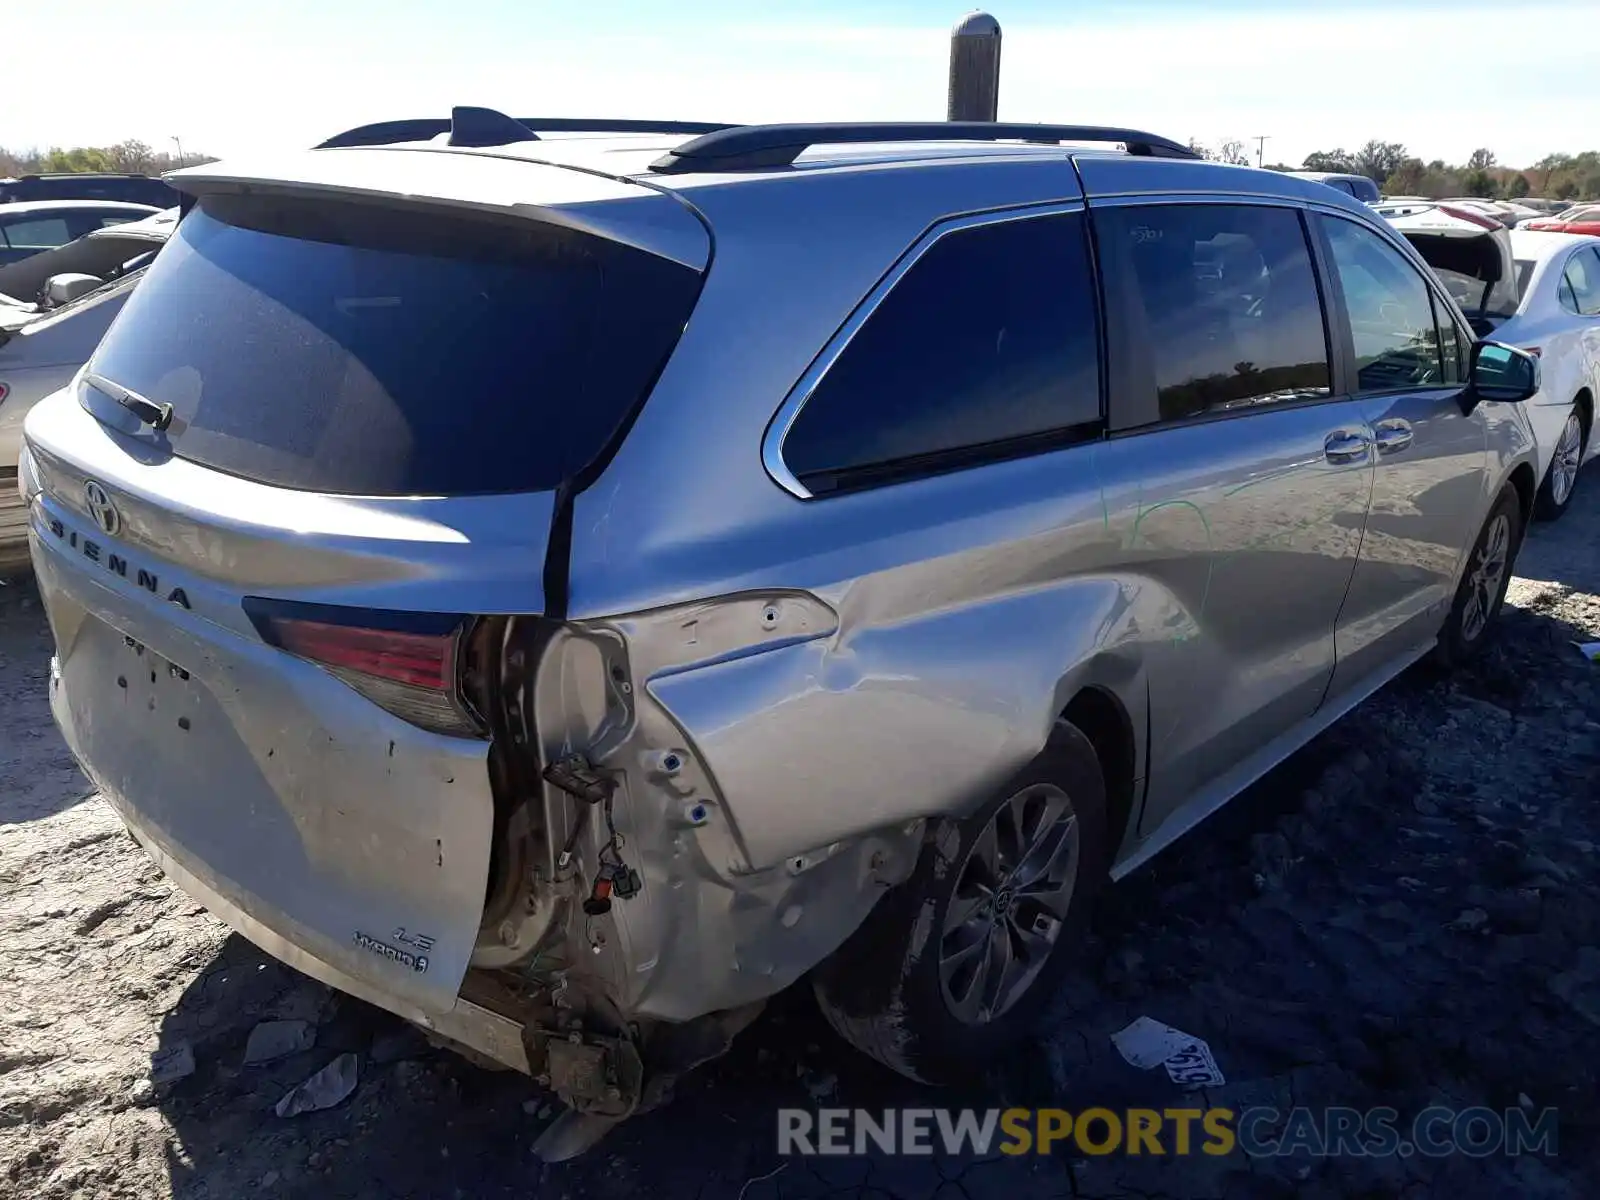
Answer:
[(325, 434), (1469, 252)]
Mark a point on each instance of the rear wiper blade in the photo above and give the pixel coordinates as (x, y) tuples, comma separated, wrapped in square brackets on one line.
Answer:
[(149, 412)]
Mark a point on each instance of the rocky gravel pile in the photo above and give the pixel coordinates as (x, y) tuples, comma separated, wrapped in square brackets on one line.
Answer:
[(1407, 914)]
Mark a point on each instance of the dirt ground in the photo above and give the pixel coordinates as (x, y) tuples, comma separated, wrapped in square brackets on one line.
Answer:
[(1407, 913)]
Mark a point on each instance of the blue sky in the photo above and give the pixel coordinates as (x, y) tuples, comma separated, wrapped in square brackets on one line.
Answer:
[(236, 77)]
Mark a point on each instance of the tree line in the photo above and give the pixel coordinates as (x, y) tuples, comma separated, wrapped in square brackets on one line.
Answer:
[(132, 156), (1398, 172)]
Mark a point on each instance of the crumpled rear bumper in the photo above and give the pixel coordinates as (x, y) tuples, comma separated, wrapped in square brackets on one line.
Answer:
[(490, 1034)]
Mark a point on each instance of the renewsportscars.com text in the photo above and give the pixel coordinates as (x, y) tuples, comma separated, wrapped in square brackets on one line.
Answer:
[(1257, 1132)]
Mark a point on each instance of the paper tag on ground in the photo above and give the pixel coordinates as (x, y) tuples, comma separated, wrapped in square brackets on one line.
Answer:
[(1147, 1043), (1194, 1066)]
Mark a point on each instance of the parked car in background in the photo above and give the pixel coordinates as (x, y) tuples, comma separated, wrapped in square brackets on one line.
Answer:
[(1581, 218), (1359, 186), (854, 615), (32, 226), (1468, 249), (1521, 212), (1538, 291), (1558, 318), (1399, 206), (1507, 212), (75, 185), (54, 308), (1476, 204), (1543, 206)]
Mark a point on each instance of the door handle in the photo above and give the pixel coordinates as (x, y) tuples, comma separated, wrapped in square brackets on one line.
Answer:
[(1342, 446), (1392, 436)]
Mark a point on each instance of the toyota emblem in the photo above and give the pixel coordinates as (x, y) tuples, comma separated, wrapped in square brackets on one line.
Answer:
[(98, 501)]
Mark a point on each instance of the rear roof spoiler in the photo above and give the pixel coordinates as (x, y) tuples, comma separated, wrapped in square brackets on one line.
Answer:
[(619, 210)]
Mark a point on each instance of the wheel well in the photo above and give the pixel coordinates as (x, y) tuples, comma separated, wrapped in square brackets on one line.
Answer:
[(1585, 403), (1522, 479), (1105, 723)]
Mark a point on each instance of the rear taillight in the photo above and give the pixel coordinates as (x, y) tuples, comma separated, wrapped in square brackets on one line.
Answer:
[(406, 663)]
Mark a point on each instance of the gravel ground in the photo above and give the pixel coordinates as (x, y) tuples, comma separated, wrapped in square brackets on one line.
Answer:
[(1406, 913)]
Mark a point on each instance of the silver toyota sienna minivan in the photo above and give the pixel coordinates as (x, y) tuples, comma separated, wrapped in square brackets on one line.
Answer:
[(564, 590)]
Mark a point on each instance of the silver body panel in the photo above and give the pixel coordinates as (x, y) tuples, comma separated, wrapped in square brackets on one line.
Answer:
[(783, 688)]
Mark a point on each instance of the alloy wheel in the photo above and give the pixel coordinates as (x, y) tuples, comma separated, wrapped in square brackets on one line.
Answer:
[(1487, 571), (1564, 465), (1011, 899)]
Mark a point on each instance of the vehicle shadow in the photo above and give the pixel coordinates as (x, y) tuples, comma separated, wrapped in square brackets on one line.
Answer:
[(1566, 553), (38, 775), (1394, 916), (425, 1122)]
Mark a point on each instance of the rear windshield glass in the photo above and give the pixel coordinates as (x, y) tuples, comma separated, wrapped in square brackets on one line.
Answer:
[(354, 349)]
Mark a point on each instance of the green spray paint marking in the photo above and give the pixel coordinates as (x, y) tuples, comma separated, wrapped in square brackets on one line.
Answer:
[(1211, 564)]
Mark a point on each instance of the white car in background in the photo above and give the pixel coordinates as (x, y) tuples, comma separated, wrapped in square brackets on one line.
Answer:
[(1537, 291), (1505, 212), (31, 226), (54, 307)]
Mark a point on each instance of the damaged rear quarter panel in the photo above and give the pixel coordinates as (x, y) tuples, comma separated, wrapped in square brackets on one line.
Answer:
[(893, 720)]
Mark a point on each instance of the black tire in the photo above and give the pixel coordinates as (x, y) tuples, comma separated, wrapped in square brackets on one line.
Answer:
[(883, 990), (1462, 638), (1547, 504)]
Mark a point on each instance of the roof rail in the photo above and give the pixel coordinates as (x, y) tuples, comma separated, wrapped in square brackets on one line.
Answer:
[(752, 147), (478, 120)]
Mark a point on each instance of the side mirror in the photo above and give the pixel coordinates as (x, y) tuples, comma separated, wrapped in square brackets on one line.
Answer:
[(1502, 374), (68, 286)]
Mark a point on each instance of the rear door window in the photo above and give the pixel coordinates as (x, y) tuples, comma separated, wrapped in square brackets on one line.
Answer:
[(1582, 278), (1223, 305), (986, 347), (357, 349)]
